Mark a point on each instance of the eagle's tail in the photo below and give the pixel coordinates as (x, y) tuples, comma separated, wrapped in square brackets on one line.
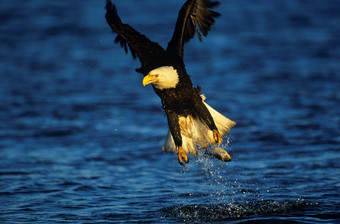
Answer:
[(195, 133)]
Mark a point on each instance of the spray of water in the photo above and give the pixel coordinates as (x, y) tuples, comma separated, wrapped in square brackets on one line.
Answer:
[(209, 190)]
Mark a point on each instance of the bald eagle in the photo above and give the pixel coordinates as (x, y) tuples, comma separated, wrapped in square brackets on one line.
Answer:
[(192, 122)]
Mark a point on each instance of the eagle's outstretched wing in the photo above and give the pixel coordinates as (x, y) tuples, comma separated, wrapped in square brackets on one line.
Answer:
[(148, 52), (194, 16)]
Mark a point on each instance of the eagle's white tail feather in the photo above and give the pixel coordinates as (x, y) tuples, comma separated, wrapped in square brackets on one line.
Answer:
[(195, 133), (222, 123)]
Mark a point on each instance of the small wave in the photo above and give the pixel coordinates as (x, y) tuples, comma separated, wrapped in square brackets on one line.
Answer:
[(84, 188), (231, 211)]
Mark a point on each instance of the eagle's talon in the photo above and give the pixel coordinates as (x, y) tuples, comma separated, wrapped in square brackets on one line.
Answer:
[(217, 136), (182, 156)]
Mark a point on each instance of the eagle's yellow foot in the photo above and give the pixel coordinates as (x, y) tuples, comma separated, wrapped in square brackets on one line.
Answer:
[(217, 136), (182, 156)]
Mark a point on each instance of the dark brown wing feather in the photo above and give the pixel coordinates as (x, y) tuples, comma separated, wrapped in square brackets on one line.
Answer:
[(148, 52), (195, 16)]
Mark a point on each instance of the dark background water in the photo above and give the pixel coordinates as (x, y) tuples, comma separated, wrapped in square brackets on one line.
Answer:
[(80, 137)]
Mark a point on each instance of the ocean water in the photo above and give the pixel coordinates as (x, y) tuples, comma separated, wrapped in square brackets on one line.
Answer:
[(80, 137)]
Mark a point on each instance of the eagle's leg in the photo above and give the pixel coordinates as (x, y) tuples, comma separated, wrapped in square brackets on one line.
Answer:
[(182, 156), (206, 117), (175, 130), (217, 136)]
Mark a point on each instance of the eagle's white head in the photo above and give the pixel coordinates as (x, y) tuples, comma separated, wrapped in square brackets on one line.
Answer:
[(164, 77)]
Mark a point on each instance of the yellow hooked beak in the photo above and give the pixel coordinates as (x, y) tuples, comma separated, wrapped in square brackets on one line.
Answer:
[(148, 79)]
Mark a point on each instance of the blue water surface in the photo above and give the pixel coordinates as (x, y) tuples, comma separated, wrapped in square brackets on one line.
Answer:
[(80, 137)]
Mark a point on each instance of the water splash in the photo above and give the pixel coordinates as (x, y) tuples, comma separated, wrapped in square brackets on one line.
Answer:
[(225, 196), (231, 211)]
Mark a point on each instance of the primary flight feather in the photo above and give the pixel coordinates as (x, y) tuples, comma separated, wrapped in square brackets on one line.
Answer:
[(192, 122)]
